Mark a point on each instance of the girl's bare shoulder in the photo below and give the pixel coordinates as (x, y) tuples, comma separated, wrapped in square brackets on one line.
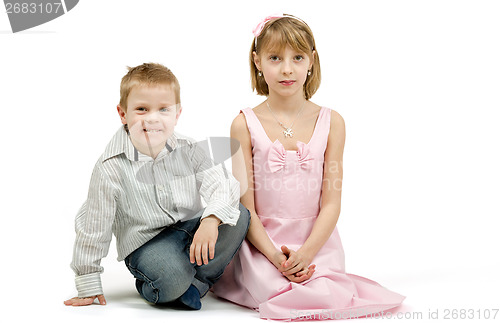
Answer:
[(239, 125)]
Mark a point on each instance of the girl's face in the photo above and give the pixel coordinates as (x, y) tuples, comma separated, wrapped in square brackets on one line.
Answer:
[(285, 72)]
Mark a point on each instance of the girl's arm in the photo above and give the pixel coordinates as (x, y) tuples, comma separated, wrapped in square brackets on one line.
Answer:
[(243, 171), (330, 199)]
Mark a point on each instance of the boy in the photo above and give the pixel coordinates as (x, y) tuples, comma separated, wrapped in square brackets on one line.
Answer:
[(146, 190)]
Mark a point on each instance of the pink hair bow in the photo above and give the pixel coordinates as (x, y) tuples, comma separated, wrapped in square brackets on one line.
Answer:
[(258, 29)]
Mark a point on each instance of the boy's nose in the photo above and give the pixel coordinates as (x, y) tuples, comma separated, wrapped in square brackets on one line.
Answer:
[(151, 118), (148, 122)]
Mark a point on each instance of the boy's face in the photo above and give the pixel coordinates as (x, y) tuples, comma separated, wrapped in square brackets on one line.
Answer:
[(151, 117)]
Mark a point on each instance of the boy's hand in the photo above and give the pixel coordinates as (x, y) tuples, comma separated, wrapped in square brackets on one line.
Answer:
[(203, 246), (76, 301)]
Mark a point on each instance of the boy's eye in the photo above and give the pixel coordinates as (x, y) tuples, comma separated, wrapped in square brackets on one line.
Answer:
[(141, 109), (164, 109)]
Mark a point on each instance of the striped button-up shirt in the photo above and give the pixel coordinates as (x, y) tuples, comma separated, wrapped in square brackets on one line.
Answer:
[(135, 196)]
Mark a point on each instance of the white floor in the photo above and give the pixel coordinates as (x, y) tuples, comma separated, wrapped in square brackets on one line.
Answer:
[(431, 296)]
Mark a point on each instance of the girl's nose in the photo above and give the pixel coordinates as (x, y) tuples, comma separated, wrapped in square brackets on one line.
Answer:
[(286, 67)]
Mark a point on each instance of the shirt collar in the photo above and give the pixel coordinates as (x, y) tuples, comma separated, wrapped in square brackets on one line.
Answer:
[(121, 144)]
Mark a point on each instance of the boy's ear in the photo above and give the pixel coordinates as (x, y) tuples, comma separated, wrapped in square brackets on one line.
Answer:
[(122, 114), (178, 113)]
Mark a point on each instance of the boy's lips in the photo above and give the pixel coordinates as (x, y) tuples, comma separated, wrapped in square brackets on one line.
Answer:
[(152, 130), (287, 82)]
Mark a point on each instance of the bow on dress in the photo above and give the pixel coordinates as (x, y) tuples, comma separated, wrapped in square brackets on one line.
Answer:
[(277, 156)]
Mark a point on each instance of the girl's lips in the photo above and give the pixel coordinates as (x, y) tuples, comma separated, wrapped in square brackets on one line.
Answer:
[(287, 82)]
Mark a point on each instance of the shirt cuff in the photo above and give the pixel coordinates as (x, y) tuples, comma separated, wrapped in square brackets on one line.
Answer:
[(222, 210), (88, 285)]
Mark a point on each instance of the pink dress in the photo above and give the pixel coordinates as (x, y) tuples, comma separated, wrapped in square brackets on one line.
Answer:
[(287, 200)]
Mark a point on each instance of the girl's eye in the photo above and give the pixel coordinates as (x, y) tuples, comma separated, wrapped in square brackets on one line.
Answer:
[(274, 58), (299, 58)]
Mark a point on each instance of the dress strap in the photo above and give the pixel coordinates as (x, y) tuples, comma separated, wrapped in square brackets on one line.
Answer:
[(322, 128), (254, 126), (251, 120), (324, 119)]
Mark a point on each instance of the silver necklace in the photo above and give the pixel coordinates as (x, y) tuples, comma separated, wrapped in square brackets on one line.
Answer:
[(288, 132)]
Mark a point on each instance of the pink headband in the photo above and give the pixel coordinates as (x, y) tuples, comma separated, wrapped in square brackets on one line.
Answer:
[(258, 29)]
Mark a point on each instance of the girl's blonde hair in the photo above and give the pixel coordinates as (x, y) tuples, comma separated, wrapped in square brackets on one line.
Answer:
[(276, 35)]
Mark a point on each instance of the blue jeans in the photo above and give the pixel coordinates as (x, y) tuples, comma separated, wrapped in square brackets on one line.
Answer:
[(162, 268)]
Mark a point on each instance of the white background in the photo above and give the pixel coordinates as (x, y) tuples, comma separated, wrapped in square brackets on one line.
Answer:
[(417, 83)]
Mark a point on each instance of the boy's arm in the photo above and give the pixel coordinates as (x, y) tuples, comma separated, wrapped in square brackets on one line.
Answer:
[(219, 188), (202, 248), (93, 226)]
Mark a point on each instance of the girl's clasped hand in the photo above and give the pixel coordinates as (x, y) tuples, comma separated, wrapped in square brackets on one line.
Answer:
[(295, 265)]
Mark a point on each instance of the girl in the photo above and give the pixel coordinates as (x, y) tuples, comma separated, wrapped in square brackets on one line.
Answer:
[(292, 264)]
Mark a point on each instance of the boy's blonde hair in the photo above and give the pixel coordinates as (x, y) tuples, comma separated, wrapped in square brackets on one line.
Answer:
[(276, 35), (149, 74)]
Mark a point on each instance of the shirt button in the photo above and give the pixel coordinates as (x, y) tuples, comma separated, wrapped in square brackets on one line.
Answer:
[(160, 187)]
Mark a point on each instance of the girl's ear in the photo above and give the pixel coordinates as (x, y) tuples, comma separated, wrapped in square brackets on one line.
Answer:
[(312, 60), (256, 60)]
